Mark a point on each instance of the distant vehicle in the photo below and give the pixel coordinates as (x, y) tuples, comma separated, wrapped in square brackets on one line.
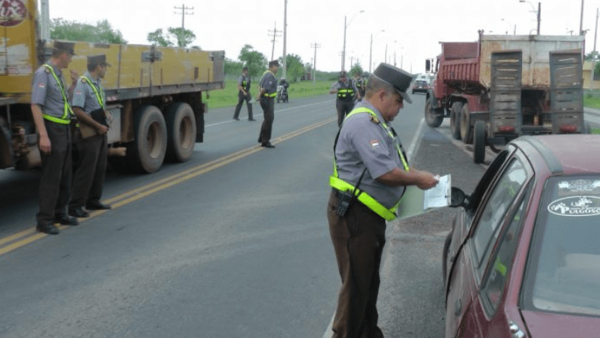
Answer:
[(523, 259), (282, 92), (504, 86), (420, 86)]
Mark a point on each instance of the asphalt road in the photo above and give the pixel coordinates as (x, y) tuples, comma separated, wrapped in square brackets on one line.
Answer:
[(232, 243)]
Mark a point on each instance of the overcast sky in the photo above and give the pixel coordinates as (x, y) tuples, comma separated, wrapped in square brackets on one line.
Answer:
[(413, 28)]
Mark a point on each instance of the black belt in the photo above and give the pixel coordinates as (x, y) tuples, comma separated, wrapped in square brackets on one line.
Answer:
[(338, 195)]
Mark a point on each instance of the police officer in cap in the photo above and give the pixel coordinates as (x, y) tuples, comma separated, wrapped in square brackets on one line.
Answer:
[(370, 175), (346, 93), (360, 84), (244, 95), (89, 101), (53, 117), (266, 96)]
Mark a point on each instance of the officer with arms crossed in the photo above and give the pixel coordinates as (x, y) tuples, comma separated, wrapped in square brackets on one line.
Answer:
[(346, 93), (53, 117), (370, 175), (266, 95), (93, 151), (243, 95)]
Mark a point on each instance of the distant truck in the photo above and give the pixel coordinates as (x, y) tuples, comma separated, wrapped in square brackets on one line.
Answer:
[(153, 93), (505, 86)]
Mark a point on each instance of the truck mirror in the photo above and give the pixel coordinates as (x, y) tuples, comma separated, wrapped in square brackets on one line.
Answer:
[(427, 65)]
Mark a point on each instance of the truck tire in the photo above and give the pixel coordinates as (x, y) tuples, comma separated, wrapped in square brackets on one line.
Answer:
[(479, 142), (587, 128), (181, 132), (465, 125), (455, 120), (433, 120), (147, 152)]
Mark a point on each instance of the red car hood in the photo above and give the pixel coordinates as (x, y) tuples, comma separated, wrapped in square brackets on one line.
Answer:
[(550, 325)]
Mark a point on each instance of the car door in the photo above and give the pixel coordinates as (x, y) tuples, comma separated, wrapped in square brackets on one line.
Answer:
[(473, 256)]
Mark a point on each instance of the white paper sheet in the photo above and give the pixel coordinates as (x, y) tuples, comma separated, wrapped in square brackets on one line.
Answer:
[(438, 196)]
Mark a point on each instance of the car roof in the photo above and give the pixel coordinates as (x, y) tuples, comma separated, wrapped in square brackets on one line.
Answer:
[(564, 154)]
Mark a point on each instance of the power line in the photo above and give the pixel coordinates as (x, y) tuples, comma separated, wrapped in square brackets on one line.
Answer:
[(315, 46), (273, 33), (183, 13)]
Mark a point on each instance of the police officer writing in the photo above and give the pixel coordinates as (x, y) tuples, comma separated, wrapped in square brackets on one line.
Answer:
[(243, 95), (346, 93), (89, 105), (53, 116), (370, 175), (266, 96)]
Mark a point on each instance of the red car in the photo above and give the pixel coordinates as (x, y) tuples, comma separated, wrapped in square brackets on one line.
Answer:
[(523, 257)]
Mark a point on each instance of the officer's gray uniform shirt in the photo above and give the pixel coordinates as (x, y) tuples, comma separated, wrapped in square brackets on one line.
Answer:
[(336, 86), (46, 92), (363, 143), (269, 82), (84, 96)]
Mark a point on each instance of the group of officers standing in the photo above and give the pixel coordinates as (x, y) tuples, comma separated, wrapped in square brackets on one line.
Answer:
[(60, 114)]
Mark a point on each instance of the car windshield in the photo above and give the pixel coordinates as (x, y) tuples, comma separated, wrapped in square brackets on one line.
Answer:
[(421, 83), (563, 272)]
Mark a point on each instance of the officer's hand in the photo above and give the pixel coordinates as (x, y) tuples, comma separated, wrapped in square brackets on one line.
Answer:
[(45, 145), (427, 181), (74, 76), (109, 117), (102, 129)]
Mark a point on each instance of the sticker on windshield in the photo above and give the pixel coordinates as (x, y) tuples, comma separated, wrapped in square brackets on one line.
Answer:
[(579, 185), (576, 206)]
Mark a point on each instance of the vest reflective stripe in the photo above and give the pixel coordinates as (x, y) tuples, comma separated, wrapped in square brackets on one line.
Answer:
[(345, 92), (363, 197), (65, 119), (270, 95), (99, 97), (266, 94)]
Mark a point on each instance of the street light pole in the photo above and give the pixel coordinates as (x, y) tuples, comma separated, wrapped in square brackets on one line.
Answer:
[(371, 50), (345, 28), (538, 13), (581, 20)]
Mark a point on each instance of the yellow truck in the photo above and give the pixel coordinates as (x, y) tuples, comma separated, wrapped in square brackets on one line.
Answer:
[(153, 93)]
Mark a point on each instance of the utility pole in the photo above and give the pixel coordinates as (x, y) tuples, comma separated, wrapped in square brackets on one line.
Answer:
[(284, 38), (45, 29), (581, 20), (594, 54), (371, 54), (273, 34), (539, 13), (183, 13), (315, 46)]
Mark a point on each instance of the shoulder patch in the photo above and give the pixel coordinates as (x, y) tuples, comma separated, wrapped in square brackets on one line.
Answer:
[(47, 70), (374, 119), (83, 80)]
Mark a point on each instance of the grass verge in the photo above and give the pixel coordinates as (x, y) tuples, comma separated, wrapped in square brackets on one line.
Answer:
[(228, 97), (591, 102)]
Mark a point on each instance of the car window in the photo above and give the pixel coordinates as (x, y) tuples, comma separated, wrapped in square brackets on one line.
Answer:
[(502, 197), (487, 179), (563, 272), (494, 285)]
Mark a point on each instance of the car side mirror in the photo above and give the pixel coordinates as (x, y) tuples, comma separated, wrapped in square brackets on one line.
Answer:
[(457, 198), (427, 65)]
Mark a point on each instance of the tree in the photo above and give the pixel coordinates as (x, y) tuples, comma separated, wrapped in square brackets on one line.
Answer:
[(592, 55), (295, 67), (175, 36), (233, 67), (102, 32), (254, 60), (356, 68)]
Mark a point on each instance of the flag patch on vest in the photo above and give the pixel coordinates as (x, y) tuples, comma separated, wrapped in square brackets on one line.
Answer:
[(374, 144)]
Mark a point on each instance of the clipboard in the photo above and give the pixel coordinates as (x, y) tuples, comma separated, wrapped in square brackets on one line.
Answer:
[(416, 202)]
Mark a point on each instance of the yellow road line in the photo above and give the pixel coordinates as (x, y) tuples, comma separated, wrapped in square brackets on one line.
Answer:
[(30, 235)]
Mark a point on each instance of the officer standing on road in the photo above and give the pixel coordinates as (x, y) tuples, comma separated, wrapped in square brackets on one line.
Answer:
[(93, 151), (266, 95), (244, 95), (370, 176), (360, 85), (53, 118), (346, 93)]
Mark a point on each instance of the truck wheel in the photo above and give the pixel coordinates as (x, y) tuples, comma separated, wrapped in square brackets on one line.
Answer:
[(465, 125), (455, 120), (147, 152), (479, 142), (433, 120), (181, 132), (587, 128)]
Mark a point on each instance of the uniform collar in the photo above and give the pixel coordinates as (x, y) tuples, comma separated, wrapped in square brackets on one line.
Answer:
[(365, 103), (56, 69), (96, 81)]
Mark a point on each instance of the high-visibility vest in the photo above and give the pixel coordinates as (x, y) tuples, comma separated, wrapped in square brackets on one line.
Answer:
[(345, 92), (363, 197), (246, 84), (99, 95), (267, 94), (68, 112)]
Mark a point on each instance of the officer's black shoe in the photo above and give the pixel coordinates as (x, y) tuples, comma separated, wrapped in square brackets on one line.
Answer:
[(49, 229), (267, 145), (98, 206), (78, 212), (66, 220), (235, 118)]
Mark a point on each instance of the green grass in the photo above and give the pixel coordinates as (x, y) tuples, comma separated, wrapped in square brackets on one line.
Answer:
[(596, 131), (591, 101), (228, 97)]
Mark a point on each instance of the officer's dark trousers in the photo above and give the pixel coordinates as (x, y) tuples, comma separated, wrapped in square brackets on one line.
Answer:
[(343, 108), (358, 239), (89, 177), (241, 99), (268, 106), (55, 182)]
